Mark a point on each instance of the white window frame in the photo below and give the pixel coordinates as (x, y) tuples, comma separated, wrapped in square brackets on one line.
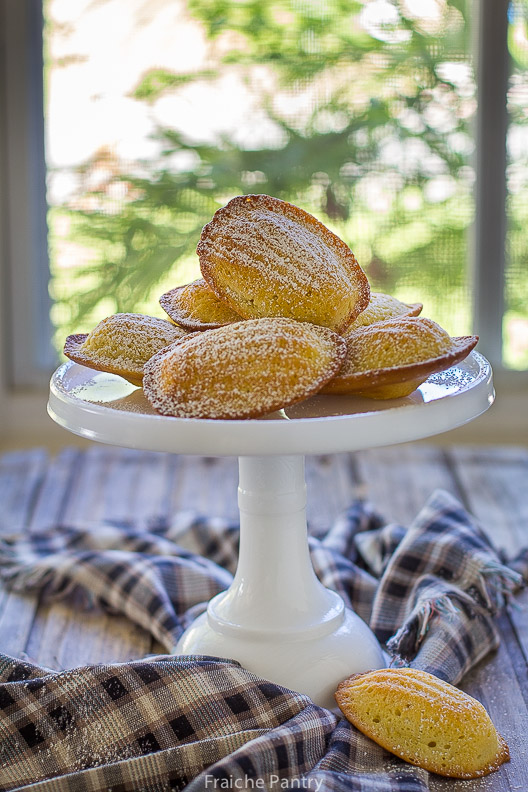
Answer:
[(26, 354), (489, 251)]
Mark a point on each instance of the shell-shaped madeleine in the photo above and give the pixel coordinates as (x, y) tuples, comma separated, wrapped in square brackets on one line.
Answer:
[(390, 359), (424, 720), (122, 344), (242, 370), (267, 257), (381, 307), (196, 307)]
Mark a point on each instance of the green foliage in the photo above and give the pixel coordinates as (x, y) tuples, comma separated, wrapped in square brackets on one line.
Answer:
[(157, 81), (300, 41), (380, 116)]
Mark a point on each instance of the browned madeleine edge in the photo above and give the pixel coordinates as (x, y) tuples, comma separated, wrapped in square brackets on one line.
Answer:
[(362, 381), (502, 756), (340, 348), (72, 351), (415, 309), (175, 313), (299, 215)]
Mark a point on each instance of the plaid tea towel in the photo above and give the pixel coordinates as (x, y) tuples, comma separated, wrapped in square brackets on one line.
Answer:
[(429, 592)]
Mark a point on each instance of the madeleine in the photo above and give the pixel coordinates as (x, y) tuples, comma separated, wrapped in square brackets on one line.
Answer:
[(390, 359), (196, 307), (266, 257), (243, 370), (424, 720), (122, 343), (381, 307)]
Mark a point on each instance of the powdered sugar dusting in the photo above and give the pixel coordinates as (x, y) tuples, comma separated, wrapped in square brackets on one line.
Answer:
[(196, 307), (269, 258), (122, 343), (396, 342), (390, 359), (381, 307), (246, 369)]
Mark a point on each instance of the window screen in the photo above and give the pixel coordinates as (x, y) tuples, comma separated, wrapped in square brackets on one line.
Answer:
[(360, 112)]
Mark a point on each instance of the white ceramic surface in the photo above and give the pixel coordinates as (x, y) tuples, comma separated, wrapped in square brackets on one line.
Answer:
[(106, 408), (276, 618)]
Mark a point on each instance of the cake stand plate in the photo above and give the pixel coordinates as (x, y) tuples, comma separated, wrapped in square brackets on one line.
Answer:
[(276, 618)]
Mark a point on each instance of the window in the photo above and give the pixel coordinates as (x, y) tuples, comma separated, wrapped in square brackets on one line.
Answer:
[(364, 113)]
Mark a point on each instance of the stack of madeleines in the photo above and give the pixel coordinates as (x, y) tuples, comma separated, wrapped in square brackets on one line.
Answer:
[(283, 311)]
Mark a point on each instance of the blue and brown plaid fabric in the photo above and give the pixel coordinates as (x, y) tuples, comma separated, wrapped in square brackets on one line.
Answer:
[(429, 592)]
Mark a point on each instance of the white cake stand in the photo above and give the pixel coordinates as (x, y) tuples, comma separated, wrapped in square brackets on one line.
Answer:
[(276, 618)]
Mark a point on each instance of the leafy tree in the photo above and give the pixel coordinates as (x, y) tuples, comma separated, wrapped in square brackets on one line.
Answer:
[(379, 152)]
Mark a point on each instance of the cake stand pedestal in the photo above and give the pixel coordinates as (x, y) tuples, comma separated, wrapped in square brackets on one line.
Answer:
[(276, 618)]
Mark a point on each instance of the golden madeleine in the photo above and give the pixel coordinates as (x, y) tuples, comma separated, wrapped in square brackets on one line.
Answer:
[(243, 370), (122, 344), (266, 257), (381, 307), (424, 720), (196, 307), (390, 359)]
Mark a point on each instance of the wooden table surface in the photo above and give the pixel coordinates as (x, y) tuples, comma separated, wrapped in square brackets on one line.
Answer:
[(79, 485)]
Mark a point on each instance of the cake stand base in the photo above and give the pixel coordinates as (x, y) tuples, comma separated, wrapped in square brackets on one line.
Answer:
[(277, 619)]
